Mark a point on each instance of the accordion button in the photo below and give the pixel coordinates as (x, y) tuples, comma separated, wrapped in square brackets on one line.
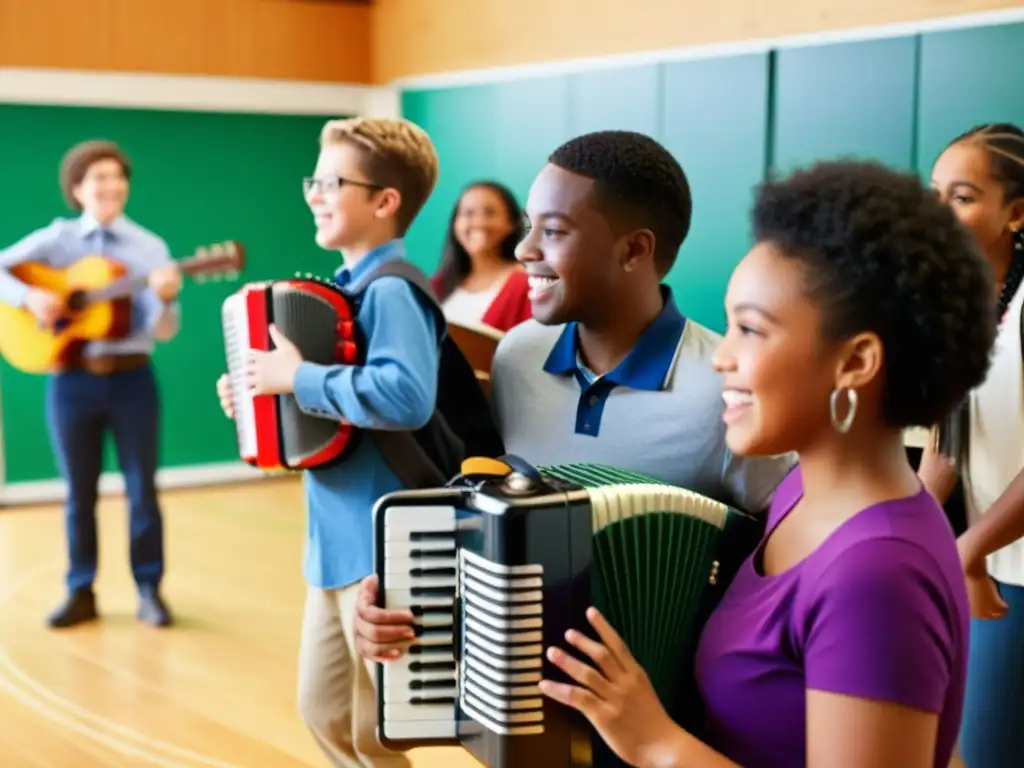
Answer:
[(517, 483)]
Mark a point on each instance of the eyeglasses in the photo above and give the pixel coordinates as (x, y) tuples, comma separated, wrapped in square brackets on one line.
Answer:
[(332, 184)]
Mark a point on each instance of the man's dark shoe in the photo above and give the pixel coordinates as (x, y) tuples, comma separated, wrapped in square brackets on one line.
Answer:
[(152, 608), (79, 607)]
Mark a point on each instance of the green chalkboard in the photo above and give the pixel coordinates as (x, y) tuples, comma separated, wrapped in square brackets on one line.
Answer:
[(845, 100), (199, 178), (722, 145), (968, 77)]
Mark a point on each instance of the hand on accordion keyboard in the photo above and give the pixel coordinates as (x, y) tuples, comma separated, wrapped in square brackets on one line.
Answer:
[(615, 695), (381, 635), (273, 373)]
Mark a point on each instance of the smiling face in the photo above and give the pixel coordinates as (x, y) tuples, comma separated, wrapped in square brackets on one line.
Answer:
[(571, 254), (347, 210), (482, 222), (103, 190), (777, 371), (963, 179)]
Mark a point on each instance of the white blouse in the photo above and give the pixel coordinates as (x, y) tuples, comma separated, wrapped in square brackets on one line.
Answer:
[(997, 438), (468, 307)]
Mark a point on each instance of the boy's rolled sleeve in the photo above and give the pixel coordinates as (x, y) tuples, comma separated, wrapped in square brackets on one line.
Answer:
[(396, 388)]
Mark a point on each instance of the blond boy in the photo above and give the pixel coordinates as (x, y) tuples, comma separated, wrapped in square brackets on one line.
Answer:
[(372, 178)]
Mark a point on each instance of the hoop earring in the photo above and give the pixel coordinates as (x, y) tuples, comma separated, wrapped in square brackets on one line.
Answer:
[(843, 426)]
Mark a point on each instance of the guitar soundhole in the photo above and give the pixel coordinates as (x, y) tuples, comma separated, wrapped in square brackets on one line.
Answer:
[(76, 301)]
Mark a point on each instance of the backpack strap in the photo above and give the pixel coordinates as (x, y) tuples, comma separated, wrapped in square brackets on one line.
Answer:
[(407, 271), (400, 448)]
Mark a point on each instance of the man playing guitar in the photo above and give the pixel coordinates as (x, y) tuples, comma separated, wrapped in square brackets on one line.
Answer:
[(108, 384)]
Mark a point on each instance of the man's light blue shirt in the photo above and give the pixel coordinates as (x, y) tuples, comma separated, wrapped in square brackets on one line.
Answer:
[(395, 389), (65, 241)]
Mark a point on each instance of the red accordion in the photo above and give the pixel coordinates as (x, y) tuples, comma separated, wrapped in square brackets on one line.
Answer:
[(273, 432)]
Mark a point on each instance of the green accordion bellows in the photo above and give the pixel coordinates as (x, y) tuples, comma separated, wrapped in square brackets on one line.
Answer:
[(654, 564)]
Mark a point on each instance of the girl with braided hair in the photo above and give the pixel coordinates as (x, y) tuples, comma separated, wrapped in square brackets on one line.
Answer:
[(981, 175)]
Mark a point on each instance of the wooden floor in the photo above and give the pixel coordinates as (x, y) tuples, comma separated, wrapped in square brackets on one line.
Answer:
[(216, 691)]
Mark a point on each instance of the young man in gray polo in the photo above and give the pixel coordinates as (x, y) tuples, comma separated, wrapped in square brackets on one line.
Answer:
[(608, 371)]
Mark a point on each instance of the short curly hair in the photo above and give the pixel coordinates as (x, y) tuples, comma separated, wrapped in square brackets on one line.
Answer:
[(637, 183), (882, 254)]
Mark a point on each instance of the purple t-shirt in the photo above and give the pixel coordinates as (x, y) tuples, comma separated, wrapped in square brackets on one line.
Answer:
[(879, 610)]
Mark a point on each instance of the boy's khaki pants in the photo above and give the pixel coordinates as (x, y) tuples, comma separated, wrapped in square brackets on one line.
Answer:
[(337, 687)]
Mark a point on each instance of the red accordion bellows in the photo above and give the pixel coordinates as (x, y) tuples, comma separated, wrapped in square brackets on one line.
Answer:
[(273, 432)]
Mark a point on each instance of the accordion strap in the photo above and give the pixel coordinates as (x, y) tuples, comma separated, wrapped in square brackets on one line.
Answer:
[(401, 450)]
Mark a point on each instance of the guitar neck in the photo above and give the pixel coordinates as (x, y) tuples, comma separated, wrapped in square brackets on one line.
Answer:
[(221, 258)]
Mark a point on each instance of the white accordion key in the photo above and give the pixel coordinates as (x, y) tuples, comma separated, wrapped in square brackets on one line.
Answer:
[(420, 690)]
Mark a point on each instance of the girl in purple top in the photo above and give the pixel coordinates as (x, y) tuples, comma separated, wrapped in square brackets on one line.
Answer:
[(862, 309)]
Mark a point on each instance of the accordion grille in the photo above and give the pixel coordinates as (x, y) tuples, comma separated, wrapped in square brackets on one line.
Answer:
[(311, 323), (503, 647)]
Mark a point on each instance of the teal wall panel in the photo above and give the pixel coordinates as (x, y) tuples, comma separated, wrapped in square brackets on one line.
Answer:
[(199, 178), (722, 145), (460, 122), (849, 99), (730, 121), (968, 77), (531, 119), (503, 131), (615, 99)]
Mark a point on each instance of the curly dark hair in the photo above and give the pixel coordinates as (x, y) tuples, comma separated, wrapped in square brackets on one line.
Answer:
[(883, 254), (638, 183)]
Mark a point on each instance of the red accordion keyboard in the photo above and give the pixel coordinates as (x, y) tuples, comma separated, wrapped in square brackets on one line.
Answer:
[(273, 432)]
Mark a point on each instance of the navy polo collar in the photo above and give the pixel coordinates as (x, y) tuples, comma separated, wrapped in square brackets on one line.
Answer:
[(645, 367)]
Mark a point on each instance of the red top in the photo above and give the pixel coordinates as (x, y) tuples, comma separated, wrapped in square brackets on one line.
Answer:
[(510, 307)]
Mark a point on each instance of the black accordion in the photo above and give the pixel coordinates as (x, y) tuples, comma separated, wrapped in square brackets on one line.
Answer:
[(497, 565)]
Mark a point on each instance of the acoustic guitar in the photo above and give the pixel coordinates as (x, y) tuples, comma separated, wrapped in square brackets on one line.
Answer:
[(97, 297)]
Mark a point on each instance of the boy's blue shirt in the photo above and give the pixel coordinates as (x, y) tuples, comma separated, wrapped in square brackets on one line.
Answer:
[(396, 388)]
